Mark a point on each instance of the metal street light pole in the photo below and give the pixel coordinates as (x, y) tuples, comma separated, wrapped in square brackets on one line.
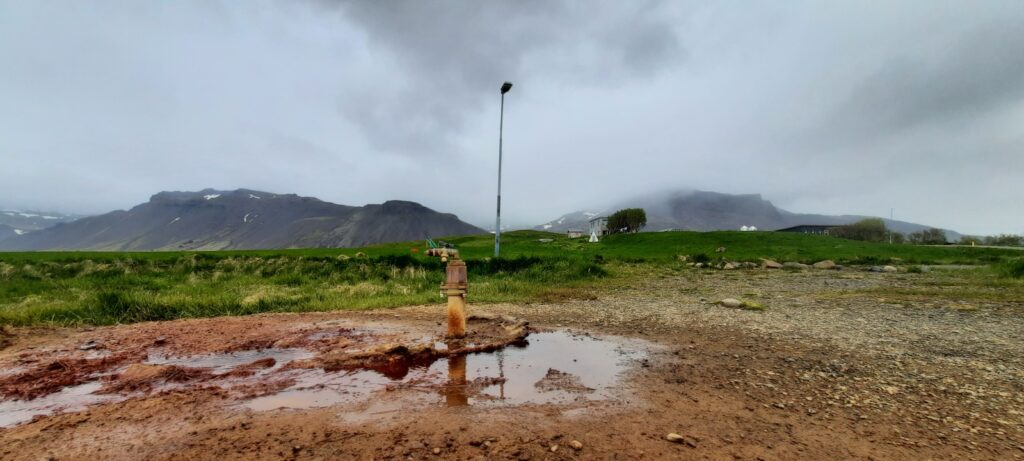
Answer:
[(501, 127)]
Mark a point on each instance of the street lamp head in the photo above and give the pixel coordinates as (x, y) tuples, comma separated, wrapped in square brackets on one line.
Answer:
[(505, 87)]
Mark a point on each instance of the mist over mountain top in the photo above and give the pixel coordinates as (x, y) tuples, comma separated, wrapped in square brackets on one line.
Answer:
[(697, 210)]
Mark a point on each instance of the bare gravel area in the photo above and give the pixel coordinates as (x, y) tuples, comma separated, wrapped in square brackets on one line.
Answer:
[(941, 371), (813, 364)]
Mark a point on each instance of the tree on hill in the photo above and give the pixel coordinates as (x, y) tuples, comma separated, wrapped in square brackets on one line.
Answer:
[(930, 236), (868, 230), (627, 220), (1006, 240)]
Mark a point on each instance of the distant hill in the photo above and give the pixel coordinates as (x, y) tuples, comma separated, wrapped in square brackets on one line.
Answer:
[(242, 219), (707, 211), (28, 221), (8, 232)]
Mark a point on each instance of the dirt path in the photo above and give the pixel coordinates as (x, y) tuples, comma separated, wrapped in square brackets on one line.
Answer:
[(829, 370)]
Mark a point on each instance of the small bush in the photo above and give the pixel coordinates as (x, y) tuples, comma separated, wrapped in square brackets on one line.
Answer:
[(1012, 269), (700, 258), (128, 307)]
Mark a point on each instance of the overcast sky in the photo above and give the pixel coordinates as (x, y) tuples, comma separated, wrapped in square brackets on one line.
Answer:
[(821, 107)]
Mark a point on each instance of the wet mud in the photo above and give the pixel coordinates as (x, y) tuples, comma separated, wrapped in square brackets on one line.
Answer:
[(501, 361)]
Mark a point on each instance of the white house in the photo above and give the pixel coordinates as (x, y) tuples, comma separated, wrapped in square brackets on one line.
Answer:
[(598, 227)]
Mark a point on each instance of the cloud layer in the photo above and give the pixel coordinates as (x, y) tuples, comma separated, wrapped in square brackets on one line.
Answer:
[(830, 108)]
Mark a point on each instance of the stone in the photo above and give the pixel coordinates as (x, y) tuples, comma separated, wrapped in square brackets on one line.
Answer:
[(554, 448), (729, 266), (676, 438), (730, 302), (88, 346), (889, 269), (720, 250), (794, 265), (437, 451), (826, 264), (769, 264), (576, 445), (875, 269)]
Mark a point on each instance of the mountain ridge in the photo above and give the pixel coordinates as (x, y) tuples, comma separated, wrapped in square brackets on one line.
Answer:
[(212, 219), (697, 210)]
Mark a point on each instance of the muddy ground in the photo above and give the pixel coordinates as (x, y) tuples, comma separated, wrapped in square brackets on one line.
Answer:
[(830, 369)]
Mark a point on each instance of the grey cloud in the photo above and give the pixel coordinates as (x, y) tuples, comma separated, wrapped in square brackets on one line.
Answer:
[(822, 107), (981, 73), (455, 54)]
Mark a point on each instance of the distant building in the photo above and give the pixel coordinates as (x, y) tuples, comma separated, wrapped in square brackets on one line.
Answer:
[(748, 228), (574, 233), (818, 229), (598, 228)]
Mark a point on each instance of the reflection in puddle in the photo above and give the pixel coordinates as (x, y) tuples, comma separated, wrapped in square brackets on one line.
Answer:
[(224, 362), (549, 367), (317, 388), (72, 398), (454, 391)]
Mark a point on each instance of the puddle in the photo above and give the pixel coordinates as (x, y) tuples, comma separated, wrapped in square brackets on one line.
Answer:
[(317, 388), (224, 362), (551, 367), (75, 398), (72, 398)]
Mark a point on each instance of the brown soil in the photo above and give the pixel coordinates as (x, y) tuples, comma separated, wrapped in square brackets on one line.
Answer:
[(827, 371)]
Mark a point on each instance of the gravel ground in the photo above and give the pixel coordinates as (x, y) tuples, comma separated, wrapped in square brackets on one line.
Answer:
[(832, 365), (946, 368)]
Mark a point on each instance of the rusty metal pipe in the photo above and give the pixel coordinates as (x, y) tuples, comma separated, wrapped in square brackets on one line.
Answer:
[(455, 286)]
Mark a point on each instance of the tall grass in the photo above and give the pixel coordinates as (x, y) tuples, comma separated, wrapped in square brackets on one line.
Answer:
[(71, 288), (131, 289), (1011, 269)]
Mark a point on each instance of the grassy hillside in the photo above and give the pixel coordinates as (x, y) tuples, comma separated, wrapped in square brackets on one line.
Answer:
[(649, 246), (67, 288)]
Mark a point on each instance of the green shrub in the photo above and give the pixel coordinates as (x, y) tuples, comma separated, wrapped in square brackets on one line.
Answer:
[(628, 220), (134, 306), (1012, 269), (868, 230)]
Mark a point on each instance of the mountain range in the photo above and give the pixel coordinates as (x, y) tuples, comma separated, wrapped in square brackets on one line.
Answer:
[(20, 222), (249, 219), (706, 211), (241, 219)]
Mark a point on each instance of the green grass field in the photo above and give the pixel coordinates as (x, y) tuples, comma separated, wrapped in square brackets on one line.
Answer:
[(81, 288)]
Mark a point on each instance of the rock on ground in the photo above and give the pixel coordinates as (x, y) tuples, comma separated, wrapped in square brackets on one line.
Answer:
[(826, 264)]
